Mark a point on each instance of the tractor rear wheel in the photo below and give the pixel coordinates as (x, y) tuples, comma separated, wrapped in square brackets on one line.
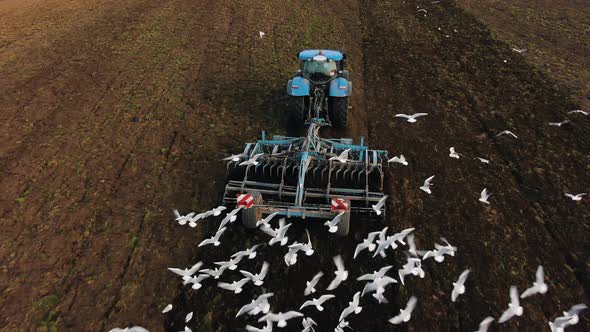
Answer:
[(252, 215), (297, 107), (339, 111), (344, 224)]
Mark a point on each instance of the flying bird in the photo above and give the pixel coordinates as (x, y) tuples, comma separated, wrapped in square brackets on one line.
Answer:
[(250, 252), (559, 124), (427, 184), (280, 318), (400, 236), (366, 244), (343, 157), (310, 285), (539, 285), (291, 257), (519, 50), (459, 286), (406, 313), (182, 220), (507, 132), (514, 307), (195, 281), (400, 160), (485, 161), (252, 161), (130, 329), (572, 315), (216, 273), (188, 317), (378, 285), (353, 307), (411, 118), (308, 323), (235, 286), (333, 224), (258, 278), (376, 274), (577, 111), (484, 195), (167, 308), (230, 217), (576, 197), (261, 34), (307, 248), (318, 302), (382, 242), (453, 153), (214, 240), (258, 305), (266, 221), (232, 264), (485, 324), (279, 235), (340, 274), (377, 207), (186, 272)]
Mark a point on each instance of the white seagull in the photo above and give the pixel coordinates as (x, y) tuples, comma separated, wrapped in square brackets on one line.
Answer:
[(400, 160), (340, 274), (258, 278), (484, 195), (310, 285), (333, 224), (291, 257), (230, 217), (235, 286), (519, 50), (410, 118), (261, 34), (195, 281), (307, 248), (400, 236), (188, 317), (216, 273), (343, 157), (234, 157), (167, 308), (572, 315), (485, 324), (258, 305), (507, 132), (514, 307), (539, 285), (280, 318), (377, 207), (353, 307), (576, 197), (279, 235), (187, 272), (250, 252), (383, 242), (453, 153), (559, 124), (376, 274), (378, 285), (266, 221), (578, 111), (485, 161), (232, 264), (130, 329), (459, 286), (252, 161), (406, 313), (182, 220), (214, 240), (427, 184), (318, 302), (366, 244)]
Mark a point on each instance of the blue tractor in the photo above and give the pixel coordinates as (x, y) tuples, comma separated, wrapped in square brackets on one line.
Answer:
[(320, 88)]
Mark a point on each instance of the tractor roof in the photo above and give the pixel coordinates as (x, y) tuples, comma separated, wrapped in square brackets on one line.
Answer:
[(330, 54)]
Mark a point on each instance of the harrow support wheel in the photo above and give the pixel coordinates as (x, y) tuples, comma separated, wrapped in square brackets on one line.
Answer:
[(344, 225), (252, 215), (338, 111)]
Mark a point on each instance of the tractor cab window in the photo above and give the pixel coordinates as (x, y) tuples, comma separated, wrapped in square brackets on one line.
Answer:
[(320, 71)]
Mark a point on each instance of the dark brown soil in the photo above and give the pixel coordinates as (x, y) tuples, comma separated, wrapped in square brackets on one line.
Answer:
[(113, 113)]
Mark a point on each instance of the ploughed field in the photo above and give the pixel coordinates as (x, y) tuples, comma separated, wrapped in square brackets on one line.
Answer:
[(115, 112)]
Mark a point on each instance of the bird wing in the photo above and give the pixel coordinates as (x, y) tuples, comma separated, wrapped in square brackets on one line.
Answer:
[(419, 114), (483, 325), (347, 311), (401, 115), (396, 320), (227, 286), (306, 304), (371, 236), (243, 281), (575, 309), (180, 272), (339, 263), (540, 275), (218, 234), (246, 308), (240, 253), (411, 304), (506, 315), (290, 314), (269, 231), (206, 242), (514, 296), (325, 298), (263, 270), (247, 274), (251, 328), (317, 278), (463, 277), (427, 181)]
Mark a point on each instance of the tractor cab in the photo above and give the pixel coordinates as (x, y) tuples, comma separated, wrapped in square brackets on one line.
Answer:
[(320, 88)]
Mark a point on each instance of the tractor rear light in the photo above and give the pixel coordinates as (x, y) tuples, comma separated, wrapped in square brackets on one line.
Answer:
[(295, 86), (342, 87)]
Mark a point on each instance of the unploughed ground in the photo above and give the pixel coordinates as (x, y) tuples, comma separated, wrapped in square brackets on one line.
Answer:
[(115, 112)]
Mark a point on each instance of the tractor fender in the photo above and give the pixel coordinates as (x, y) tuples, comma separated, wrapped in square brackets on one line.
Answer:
[(298, 87), (340, 87)]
